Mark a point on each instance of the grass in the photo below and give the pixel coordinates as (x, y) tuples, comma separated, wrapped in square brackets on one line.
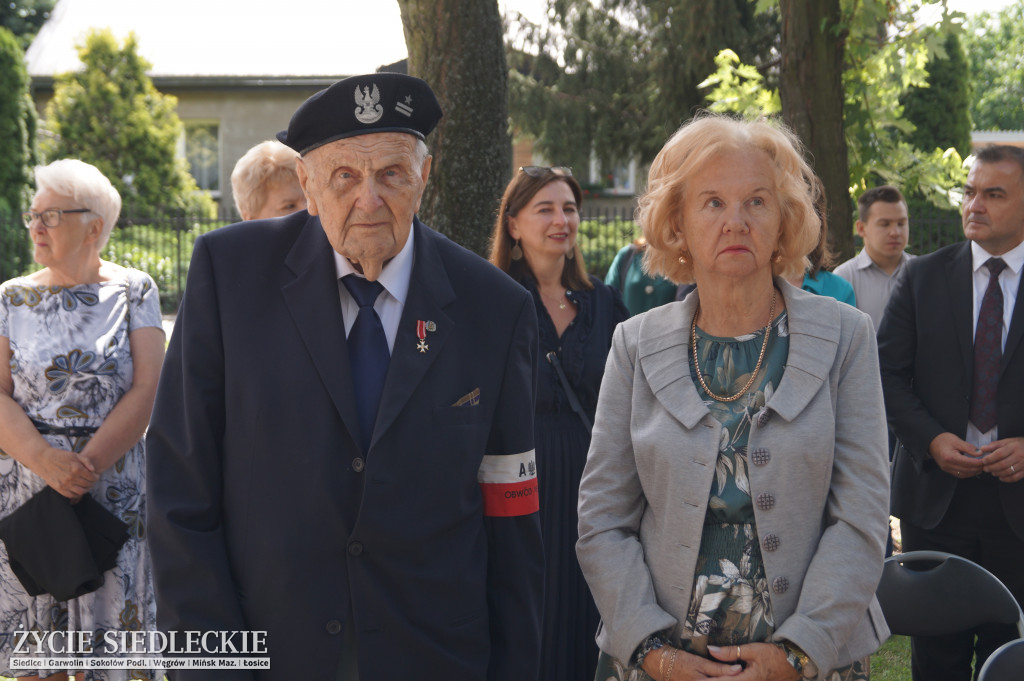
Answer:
[(892, 661)]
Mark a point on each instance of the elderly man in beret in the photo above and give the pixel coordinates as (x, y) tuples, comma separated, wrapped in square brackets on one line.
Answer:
[(341, 452)]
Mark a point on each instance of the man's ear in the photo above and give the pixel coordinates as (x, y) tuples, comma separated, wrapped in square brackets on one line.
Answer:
[(306, 183), (859, 227)]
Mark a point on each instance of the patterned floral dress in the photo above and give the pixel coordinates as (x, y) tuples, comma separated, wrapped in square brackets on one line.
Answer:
[(71, 364), (731, 602)]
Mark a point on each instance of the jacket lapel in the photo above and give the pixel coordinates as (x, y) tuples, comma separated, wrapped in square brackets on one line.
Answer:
[(813, 340), (960, 294), (664, 350), (663, 356), (312, 299), (430, 292)]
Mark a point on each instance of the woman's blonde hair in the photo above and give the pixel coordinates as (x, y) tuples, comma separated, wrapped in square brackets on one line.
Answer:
[(691, 148), (518, 194), (265, 164)]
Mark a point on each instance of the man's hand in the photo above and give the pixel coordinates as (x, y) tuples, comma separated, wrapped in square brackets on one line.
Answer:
[(1004, 459), (956, 456)]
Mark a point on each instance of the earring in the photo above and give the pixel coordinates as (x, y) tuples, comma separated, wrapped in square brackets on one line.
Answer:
[(516, 253), (777, 256), (682, 257)]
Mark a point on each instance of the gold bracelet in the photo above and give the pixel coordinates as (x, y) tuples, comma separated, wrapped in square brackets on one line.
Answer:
[(661, 664), (671, 665)]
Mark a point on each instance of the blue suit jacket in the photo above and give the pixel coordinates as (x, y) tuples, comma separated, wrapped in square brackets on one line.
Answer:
[(265, 515)]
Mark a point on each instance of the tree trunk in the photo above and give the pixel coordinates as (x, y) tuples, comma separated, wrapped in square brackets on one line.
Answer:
[(811, 90), (458, 47)]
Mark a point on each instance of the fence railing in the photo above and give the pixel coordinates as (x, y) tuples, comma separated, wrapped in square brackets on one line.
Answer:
[(163, 246)]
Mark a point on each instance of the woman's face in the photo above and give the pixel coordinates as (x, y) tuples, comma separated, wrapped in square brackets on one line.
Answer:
[(731, 216), (71, 242), (546, 226)]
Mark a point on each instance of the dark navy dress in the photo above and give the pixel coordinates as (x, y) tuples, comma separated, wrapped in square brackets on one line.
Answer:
[(568, 650)]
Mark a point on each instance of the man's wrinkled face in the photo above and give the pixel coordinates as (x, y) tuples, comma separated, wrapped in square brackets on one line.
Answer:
[(366, 190)]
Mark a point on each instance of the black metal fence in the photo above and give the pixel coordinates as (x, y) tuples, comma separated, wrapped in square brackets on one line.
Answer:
[(163, 246)]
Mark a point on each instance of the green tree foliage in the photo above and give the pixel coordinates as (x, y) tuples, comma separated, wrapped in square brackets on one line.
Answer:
[(110, 114), (17, 138), (994, 44), (619, 76), (939, 112), (886, 53), (25, 17)]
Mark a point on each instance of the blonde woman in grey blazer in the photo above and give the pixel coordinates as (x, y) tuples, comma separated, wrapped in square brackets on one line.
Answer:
[(734, 506)]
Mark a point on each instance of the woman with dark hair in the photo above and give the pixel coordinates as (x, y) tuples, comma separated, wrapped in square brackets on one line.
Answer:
[(535, 241)]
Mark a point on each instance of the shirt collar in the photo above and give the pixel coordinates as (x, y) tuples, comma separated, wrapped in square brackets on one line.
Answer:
[(864, 261), (1014, 258), (394, 277)]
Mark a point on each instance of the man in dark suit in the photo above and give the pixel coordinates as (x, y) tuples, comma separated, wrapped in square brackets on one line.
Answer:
[(352, 474), (952, 361)]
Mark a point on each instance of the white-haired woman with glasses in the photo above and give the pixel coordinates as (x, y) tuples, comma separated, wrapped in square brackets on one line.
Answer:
[(81, 345), (535, 241)]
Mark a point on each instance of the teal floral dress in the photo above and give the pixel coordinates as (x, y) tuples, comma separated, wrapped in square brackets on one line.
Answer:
[(71, 363), (731, 603)]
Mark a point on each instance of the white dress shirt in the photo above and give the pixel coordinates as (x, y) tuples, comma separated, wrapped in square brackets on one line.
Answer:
[(1009, 281), (394, 278)]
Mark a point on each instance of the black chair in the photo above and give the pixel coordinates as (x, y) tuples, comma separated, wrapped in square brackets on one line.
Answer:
[(931, 593), (1006, 663)]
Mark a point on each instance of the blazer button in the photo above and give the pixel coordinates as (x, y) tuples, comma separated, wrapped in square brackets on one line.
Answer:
[(780, 585), (333, 627), (355, 548), (760, 456), (762, 420), (358, 465), (771, 542), (765, 501)]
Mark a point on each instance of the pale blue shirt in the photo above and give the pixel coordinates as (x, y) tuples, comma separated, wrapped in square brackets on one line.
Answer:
[(394, 278)]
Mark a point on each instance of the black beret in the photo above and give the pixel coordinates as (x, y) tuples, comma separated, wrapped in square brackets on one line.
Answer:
[(360, 105)]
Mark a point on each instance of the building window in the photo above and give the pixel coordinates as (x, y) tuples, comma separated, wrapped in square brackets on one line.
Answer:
[(202, 151)]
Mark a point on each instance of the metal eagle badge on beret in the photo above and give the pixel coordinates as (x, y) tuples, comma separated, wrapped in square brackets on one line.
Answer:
[(362, 105)]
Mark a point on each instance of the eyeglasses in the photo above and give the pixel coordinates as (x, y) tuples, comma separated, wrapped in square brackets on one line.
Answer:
[(50, 217), (541, 171)]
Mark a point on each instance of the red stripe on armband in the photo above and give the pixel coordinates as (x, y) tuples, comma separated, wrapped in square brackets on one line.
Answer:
[(509, 485)]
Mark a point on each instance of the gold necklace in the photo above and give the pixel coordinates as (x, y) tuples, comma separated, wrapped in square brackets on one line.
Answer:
[(561, 301), (757, 367)]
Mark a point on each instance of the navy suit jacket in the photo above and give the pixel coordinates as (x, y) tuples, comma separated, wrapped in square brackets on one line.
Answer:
[(926, 355), (264, 514)]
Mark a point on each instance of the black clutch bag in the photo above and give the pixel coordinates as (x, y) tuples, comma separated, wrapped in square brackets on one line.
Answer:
[(61, 548)]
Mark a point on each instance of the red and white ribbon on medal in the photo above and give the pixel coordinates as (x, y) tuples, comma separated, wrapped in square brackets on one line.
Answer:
[(421, 333)]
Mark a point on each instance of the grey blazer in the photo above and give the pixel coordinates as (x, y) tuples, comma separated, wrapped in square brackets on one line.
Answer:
[(818, 447)]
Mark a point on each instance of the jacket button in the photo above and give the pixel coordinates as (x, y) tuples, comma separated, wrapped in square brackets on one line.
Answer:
[(780, 585), (771, 542), (760, 456), (358, 465), (762, 420), (355, 548), (765, 501), (333, 627)]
